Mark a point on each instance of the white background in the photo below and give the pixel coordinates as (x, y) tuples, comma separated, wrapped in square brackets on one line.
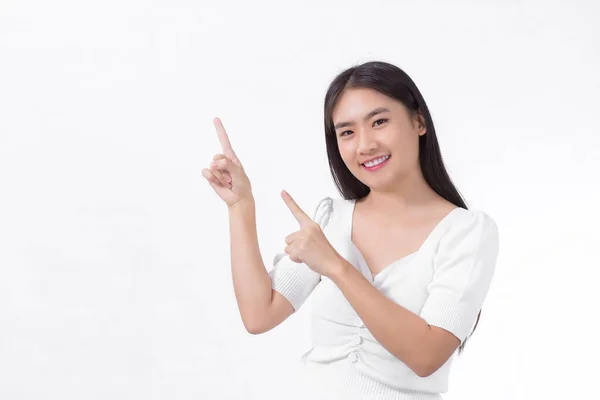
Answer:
[(115, 278)]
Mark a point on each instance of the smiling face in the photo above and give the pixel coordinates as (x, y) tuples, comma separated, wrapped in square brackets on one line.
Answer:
[(369, 124)]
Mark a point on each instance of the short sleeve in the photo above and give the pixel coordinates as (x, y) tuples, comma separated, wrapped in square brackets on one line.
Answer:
[(463, 269), (296, 281)]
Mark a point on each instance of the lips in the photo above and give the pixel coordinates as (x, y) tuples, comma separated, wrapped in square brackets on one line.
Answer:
[(378, 166), (375, 158)]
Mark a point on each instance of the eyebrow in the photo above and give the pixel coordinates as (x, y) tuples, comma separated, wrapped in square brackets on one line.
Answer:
[(376, 111)]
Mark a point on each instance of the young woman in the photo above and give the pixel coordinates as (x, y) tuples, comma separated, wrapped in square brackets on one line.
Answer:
[(398, 267)]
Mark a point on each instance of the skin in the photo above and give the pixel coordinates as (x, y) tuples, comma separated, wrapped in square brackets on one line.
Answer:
[(397, 189), (399, 186), (226, 173)]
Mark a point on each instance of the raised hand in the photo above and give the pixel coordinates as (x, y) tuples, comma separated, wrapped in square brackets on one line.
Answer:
[(309, 245), (226, 174)]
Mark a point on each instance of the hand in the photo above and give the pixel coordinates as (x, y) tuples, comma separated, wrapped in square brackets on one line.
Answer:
[(226, 174), (309, 245)]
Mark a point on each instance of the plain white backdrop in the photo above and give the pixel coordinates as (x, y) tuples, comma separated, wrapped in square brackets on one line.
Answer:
[(115, 279)]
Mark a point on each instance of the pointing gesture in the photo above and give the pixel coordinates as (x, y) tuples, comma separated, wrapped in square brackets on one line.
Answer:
[(309, 245), (226, 174), (225, 143), (302, 218)]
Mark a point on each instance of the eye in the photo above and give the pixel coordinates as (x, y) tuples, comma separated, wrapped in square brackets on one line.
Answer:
[(382, 119)]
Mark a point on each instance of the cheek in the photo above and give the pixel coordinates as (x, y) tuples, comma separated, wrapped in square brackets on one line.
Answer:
[(347, 154), (405, 143), (406, 154)]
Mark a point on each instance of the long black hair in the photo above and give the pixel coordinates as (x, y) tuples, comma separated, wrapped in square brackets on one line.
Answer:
[(393, 82)]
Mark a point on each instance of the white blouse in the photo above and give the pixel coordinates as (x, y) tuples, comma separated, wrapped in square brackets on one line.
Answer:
[(445, 282)]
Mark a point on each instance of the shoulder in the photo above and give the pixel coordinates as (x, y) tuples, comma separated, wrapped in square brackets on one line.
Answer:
[(323, 210), (331, 204), (328, 207), (473, 226), (475, 218)]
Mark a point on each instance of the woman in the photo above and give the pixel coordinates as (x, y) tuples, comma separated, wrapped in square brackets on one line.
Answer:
[(398, 267)]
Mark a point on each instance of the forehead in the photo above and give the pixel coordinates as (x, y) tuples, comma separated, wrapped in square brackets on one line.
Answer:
[(355, 103)]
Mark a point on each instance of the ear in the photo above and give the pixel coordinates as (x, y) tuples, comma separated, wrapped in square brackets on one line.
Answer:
[(420, 123)]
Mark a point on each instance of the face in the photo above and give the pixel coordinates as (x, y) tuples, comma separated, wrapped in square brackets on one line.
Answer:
[(363, 135)]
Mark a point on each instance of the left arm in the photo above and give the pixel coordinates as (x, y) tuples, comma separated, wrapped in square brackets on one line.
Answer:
[(463, 268), (422, 347)]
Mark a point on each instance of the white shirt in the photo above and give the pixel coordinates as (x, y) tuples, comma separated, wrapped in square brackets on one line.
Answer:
[(445, 282)]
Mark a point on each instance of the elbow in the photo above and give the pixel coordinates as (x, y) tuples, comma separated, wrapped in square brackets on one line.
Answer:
[(426, 367), (419, 365), (258, 326), (254, 329), (256, 323), (424, 371)]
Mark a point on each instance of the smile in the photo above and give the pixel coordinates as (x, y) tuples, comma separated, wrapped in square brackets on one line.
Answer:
[(377, 164)]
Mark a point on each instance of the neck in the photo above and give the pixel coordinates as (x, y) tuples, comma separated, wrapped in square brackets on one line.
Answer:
[(407, 193)]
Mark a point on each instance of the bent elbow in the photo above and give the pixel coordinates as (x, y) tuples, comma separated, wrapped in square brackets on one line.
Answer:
[(254, 329), (424, 372), (426, 369)]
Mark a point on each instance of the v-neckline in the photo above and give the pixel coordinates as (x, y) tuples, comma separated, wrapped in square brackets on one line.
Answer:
[(406, 257)]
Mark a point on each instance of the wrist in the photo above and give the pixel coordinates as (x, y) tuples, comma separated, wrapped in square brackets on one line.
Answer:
[(338, 269), (243, 204)]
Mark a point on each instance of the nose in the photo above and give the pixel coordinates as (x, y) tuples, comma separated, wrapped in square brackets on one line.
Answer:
[(366, 143)]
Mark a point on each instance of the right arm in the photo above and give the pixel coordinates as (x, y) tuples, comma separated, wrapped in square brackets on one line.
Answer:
[(261, 307), (264, 300)]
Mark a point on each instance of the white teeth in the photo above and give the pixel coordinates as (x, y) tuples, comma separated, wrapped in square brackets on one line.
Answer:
[(376, 162)]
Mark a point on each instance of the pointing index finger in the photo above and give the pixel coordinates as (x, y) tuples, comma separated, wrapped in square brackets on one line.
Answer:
[(224, 139), (300, 215)]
